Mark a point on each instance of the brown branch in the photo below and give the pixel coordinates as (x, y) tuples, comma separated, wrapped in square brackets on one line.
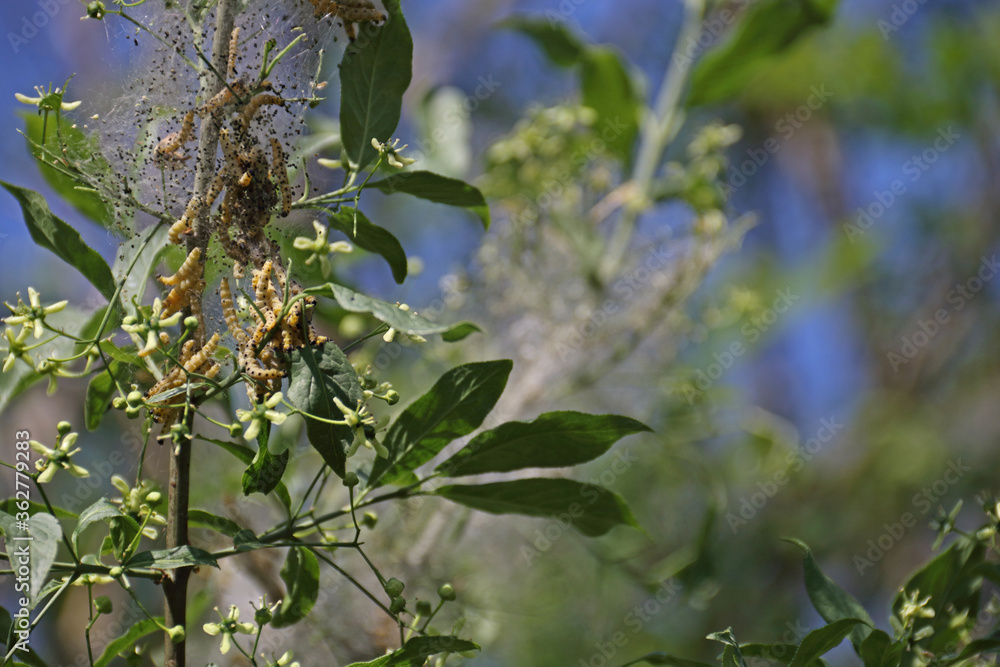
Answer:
[(179, 484)]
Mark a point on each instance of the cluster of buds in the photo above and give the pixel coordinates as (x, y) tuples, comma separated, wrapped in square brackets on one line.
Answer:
[(58, 457), (31, 315), (391, 151), (372, 388), (136, 502), (149, 332), (365, 427), (320, 247)]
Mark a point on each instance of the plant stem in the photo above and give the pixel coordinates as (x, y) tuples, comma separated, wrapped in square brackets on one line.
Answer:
[(179, 484)]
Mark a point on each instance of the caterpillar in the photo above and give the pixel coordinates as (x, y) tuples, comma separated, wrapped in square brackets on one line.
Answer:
[(279, 171), (202, 356), (186, 269), (233, 44), (229, 313), (255, 104)]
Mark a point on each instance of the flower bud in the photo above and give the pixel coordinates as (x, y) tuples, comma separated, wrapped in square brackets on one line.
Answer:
[(424, 608), (134, 398), (369, 520), (235, 429), (351, 480), (394, 587), (115, 572), (398, 605), (95, 10), (63, 428), (176, 634), (447, 592), (262, 616), (133, 412), (103, 605), (191, 322), (118, 403)]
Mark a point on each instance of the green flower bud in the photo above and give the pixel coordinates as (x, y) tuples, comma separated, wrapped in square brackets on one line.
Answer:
[(63, 428), (95, 10), (118, 403), (103, 605), (351, 480), (134, 398), (392, 397), (398, 605), (235, 430), (262, 616), (447, 592), (176, 634), (191, 322), (394, 587), (424, 608), (133, 412), (115, 572), (369, 519)]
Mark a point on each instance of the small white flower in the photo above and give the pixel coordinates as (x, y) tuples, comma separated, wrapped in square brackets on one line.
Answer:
[(229, 626), (320, 247), (32, 314), (261, 413), (54, 459)]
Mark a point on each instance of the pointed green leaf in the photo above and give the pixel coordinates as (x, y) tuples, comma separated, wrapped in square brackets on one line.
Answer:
[(769, 28), (732, 656), (418, 649), (301, 576), (374, 74), (246, 455), (170, 559), (878, 650), (266, 469), (609, 89), (455, 406), (102, 510), (553, 440), (560, 45), (777, 652), (317, 375), (372, 238), (831, 601), (820, 642), (438, 189), (146, 626), (591, 509), (53, 234), (219, 524), (400, 320)]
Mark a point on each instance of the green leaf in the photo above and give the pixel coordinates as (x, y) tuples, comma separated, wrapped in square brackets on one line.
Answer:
[(374, 74), (219, 524), (100, 391), (878, 650), (976, 648), (102, 510), (821, 641), (660, 658), (76, 147), (301, 576), (246, 455), (560, 45), (400, 320), (139, 630), (418, 649), (266, 469), (777, 652), (553, 440), (831, 601), (136, 281), (170, 559), (438, 189), (10, 506), (732, 656), (769, 28), (53, 234), (372, 238), (124, 534), (46, 534), (455, 406), (246, 540), (609, 89), (592, 510), (317, 375)]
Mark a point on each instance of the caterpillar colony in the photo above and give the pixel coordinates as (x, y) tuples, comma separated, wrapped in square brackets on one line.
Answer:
[(252, 184)]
